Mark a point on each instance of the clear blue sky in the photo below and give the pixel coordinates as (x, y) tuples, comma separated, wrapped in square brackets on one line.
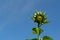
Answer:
[(16, 22)]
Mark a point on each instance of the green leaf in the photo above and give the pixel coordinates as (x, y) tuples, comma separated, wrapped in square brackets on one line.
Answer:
[(47, 38), (34, 31), (40, 30), (37, 30)]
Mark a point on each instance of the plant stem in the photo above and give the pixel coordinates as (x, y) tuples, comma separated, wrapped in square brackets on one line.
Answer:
[(38, 32), (38, 37), (38, 25)]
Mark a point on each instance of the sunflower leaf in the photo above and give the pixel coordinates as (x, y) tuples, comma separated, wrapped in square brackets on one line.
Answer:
[(47, 38), (37, 30)]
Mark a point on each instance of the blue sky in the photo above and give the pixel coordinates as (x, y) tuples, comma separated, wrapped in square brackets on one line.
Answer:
[(16, 22)]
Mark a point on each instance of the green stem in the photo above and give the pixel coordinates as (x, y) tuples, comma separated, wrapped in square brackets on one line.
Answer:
[(38, 32), (38, 25), (38, 37)]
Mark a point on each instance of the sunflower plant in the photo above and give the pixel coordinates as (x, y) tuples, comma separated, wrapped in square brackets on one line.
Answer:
[(40, 18)]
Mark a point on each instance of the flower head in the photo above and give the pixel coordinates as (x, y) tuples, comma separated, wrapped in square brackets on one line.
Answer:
[(40, 17)]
